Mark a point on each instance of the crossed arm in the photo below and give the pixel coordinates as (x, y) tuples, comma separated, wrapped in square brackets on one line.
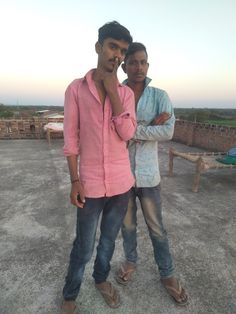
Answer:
[(161, 128), (161, 118)]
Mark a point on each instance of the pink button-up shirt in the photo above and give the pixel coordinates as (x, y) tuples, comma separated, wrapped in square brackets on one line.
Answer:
[(99, 138)]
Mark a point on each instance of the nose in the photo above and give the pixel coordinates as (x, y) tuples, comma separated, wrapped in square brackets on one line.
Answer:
[(119, 55), (139, 65)]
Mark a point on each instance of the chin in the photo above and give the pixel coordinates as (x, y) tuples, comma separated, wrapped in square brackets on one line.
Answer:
[(109, 68), (139, 79)]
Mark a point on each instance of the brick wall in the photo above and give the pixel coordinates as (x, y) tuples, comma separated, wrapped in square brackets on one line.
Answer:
[(210, 137), (25, 128)]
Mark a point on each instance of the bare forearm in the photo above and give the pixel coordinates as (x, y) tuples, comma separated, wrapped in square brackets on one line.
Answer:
[(76, 186), (73, 166), (161, 118)]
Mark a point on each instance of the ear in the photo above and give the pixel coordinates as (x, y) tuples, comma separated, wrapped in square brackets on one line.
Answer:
[(123, 67), (98, 47)]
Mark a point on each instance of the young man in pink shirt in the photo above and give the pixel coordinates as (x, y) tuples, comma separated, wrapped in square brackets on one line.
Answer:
[(99, 120)]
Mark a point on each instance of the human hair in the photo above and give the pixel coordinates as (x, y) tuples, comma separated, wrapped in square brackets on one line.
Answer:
[(134, 47), (114, 30)]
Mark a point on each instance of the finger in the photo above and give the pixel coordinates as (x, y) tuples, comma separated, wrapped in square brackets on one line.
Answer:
[(81, 205), (167, 118), (167, 115), (76, 202), (81, 198), (116, 65)]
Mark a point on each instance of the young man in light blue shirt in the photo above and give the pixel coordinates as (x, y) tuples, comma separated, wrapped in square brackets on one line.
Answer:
[(155, 116)]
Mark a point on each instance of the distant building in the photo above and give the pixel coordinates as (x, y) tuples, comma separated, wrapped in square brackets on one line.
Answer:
[(55, 116), (42, 111), (50, 114)]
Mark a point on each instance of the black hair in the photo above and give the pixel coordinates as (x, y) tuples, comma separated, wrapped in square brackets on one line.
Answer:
[(134, 47), (114, 30)]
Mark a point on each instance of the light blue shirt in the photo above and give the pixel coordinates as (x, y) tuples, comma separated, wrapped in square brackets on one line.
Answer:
[(144, 154)]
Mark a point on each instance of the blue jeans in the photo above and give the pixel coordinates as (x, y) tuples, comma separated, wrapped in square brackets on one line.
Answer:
[(150, 200), (113, 211)]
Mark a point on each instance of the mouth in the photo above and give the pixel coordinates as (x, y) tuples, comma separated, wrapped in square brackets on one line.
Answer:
[(115, 61), (139, 74), (114, 64)]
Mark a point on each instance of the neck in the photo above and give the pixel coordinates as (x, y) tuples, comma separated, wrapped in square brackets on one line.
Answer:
[(137, 88), (97, 75)]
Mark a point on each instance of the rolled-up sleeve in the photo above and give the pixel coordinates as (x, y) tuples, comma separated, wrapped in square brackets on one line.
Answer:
[(125, 123), (71, 120)]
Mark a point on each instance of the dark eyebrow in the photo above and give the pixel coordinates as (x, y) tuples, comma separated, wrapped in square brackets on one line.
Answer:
[(113, 44)]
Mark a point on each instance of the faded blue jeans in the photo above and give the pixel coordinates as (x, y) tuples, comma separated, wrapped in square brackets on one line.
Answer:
[(150, 200), (113, 211)]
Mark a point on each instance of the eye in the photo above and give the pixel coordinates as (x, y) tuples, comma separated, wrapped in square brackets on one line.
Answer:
[(112, 46), (133, 63)]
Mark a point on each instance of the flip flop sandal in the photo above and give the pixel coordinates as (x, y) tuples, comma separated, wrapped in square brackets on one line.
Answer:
[(110, 295), (173, 292), (68, 307), (124, 274)]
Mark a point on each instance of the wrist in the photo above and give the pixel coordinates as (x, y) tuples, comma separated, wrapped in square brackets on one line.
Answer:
[(74, 180)]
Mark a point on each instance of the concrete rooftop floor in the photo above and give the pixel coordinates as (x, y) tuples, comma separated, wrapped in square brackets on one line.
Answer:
[(37, 226)]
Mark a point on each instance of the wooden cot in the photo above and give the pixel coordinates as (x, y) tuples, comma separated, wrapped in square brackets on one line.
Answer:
[(53, 127), (204, 161)]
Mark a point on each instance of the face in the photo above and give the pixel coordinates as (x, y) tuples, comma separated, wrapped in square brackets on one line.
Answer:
[(109, 51), (136, 67)]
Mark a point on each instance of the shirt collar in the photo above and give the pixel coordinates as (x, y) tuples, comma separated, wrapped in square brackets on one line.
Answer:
[(147, 81)]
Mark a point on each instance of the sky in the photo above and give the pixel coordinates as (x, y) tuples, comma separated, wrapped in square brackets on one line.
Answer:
[(45, 44)]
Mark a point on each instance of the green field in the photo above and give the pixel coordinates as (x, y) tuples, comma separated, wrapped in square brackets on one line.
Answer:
[(222, 122), (224, 117)]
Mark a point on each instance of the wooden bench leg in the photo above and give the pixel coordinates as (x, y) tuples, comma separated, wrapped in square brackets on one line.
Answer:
[(49, 138), (197, 175), (171, 162)]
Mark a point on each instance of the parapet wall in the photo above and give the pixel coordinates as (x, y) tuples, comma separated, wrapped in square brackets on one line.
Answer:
[(207, 136), (25, 128)]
